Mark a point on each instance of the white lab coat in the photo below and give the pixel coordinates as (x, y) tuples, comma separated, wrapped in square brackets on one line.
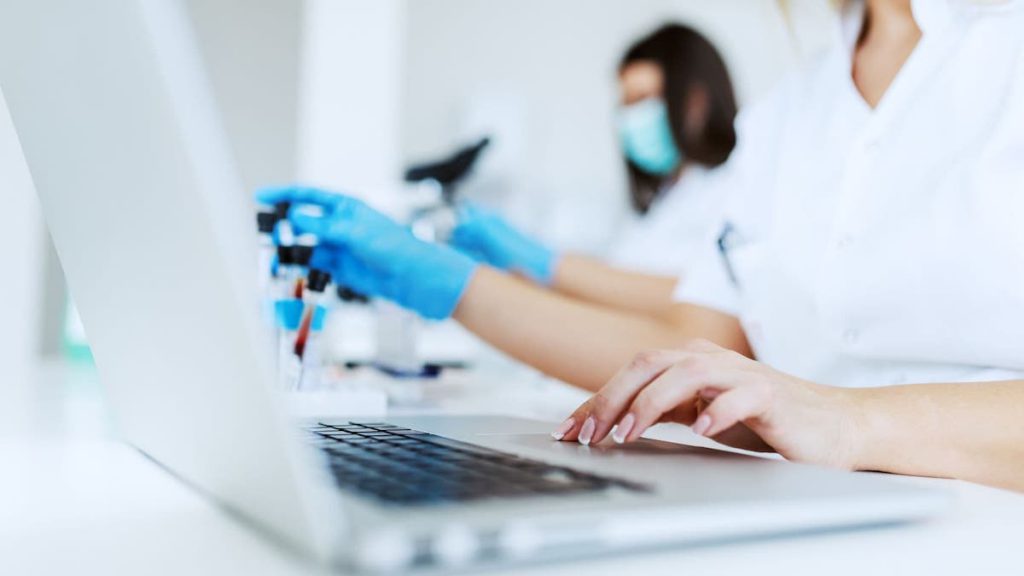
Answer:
[(673, 230), (885, 246)]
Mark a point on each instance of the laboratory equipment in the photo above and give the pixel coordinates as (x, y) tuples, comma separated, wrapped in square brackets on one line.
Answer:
[(288, 308), (376, 256), (266, 222), (435, 221), (308, 345), (379, 257)]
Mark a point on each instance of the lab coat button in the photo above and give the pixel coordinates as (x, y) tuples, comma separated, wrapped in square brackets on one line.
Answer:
[(851, 336)]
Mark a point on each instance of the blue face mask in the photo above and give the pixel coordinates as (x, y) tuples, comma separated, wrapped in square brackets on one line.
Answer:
[(647, 137)]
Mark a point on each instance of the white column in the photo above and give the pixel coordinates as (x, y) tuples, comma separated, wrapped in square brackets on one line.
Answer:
[(21, 239), (350, 97)]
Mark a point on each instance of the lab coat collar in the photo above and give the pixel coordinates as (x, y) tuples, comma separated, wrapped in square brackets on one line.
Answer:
[(931, 15)]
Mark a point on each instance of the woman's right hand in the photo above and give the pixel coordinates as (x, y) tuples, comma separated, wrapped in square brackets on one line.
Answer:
[(487, 237), (374, 255), (715, 390)]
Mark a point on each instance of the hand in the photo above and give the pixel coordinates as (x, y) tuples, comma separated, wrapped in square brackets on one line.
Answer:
[(490, 239), (714, 390), (373, 255)]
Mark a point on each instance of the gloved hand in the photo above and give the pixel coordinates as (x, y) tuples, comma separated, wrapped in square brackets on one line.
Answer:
[(489, 238), (372, 254)]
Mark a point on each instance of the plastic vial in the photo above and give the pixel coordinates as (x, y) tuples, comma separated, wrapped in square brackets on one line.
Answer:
[(288, 308), (308, 346), (267, 270)]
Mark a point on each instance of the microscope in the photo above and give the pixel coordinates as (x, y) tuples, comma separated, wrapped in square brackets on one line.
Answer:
[(433, 221)]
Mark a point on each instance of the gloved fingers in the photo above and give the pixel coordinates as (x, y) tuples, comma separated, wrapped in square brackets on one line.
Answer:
[(469, 211), (473, 252), (358, 275), (329, 201), (463, 236), (324, 258), (308, 224)]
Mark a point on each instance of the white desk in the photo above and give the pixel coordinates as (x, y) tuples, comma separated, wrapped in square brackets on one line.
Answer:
[(73, 500)]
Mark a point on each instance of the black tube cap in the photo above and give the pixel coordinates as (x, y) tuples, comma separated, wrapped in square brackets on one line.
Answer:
[(266, 221), (317, 280), (282, 208), (302, 254), (286, 255)]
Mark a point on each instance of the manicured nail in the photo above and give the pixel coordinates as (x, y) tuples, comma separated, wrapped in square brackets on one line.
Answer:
[(702, 424), (563, 429), (622, 431), (587, 431)]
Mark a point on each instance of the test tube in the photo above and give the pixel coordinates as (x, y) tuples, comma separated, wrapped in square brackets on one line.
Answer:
[(265, 224), (283, 233), (307, 340), (303, 254), (267, 270), (288, 308)]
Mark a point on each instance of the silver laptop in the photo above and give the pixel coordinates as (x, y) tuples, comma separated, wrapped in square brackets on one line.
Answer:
[(137, 184)]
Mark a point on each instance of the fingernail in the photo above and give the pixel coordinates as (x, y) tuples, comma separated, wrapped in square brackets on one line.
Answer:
[(563, 429), (702, 424), (623, 429), (587, 431)]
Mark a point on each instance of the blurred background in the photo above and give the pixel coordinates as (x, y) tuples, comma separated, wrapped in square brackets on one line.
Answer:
[(347, 93)]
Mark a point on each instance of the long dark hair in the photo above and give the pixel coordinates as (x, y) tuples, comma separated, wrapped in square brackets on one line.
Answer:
[(687, 60)]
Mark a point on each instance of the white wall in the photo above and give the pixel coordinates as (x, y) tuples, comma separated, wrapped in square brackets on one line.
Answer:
[(541, 74), (251, 50), (349, 130), (22, 236)]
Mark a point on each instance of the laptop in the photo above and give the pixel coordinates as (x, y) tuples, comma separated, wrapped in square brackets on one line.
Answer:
[(137, 183)]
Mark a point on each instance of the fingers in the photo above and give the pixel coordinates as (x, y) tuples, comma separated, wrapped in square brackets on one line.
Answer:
[(468, 211), (306, 224), (302, 195), (678, 385), (464, 237), (667, 385), (323, 258), (607, 406), (730, 408)]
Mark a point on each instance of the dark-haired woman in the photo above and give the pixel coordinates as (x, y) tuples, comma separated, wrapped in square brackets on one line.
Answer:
[(675, 127)]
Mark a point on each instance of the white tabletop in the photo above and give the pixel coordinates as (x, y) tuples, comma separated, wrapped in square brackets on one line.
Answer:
[(75, 500)]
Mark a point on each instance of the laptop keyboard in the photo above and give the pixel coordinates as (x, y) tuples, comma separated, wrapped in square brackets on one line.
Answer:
[(406, 467)]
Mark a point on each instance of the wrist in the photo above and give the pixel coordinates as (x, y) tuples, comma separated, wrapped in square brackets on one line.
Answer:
[(439, 283), (860, 427), (539, 263)]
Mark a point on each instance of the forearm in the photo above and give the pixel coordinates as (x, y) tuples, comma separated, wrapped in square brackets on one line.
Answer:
[(593, 281), (577, 342), (968, 431)]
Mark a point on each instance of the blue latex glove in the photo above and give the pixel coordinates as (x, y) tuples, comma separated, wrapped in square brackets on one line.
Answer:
[(489, 238), (374, 255)]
